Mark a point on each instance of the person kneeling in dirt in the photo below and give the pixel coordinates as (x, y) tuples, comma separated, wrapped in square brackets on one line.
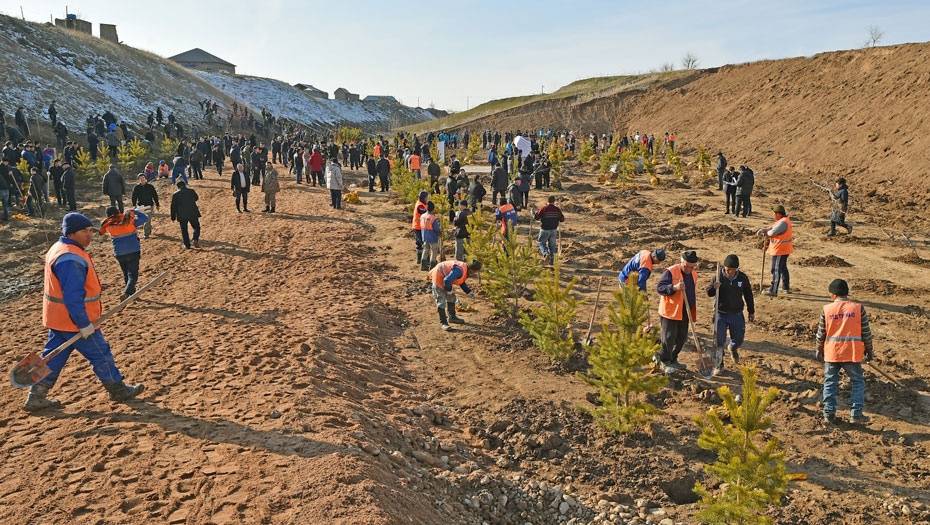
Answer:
[(70, 305), (677, 289), (444, 276), (735, 294), (844, 341)]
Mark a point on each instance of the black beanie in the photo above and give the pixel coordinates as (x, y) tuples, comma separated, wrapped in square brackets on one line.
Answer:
[(690, 256), (839, 287), (731, 261)]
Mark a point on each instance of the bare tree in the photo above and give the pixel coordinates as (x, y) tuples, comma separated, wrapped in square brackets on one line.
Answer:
[(689, 61), (875, 36), (667, 67)]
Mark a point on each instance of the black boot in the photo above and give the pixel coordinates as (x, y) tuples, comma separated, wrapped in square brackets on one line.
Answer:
[(419, 255), (425, 264), (122, 392), (443, 322), (452, 317), (38, 400)]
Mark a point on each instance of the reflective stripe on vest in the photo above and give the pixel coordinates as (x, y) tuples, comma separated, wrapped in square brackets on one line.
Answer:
[(672, 306), (439, 272), (782, 243), (54, 312), (843, 332)]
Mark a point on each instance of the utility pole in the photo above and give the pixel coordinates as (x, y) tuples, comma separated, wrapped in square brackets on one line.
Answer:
[(542, 89), (467, 107)]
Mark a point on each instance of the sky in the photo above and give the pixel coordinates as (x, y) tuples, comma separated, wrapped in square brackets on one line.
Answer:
[(458, 54)]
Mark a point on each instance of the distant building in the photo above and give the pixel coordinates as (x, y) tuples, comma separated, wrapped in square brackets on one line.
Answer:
[(312, 91), (199, 59), (381, 98), (108, 33), (345, 94), (74, 23)]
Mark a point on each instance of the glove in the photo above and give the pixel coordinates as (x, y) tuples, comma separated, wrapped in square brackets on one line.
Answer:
[(87, 331), (820, 354), (869, 354)]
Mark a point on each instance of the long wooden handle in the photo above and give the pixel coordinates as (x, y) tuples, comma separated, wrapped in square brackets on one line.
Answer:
[(597, 301), (684, 291), (106, 315)]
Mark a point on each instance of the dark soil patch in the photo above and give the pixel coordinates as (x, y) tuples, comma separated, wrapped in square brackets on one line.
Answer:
[(831, 261)]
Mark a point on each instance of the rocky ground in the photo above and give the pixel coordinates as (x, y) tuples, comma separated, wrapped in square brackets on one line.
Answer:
[(296, 374)]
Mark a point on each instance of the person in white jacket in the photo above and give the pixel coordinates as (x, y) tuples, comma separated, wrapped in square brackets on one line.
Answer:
[(334, 182)]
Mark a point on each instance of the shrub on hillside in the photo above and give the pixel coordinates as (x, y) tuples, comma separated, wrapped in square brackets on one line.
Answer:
[(550, 322)]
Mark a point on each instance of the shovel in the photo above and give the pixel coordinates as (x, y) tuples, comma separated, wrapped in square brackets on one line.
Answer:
[(34, 368), (705, 362), (597, 302)]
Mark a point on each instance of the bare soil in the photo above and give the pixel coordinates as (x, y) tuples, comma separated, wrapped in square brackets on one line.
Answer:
[(296, 373)]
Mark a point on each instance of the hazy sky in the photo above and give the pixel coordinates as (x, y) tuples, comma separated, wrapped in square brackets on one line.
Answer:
[(455, 53)]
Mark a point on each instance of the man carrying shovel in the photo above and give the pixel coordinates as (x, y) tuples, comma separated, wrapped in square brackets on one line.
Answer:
[(71, 304)]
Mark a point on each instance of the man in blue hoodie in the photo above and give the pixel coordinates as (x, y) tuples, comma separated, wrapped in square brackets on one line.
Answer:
[(641, 265), (126, 246)]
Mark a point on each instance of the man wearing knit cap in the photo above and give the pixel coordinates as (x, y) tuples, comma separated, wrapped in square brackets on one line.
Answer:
[(734, 293), (844, 341), (71, 304), (641, 265), (677, 290)]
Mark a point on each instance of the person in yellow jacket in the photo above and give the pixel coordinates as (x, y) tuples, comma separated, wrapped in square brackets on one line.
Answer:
[(780, 238), (844, 342), (71, 304)]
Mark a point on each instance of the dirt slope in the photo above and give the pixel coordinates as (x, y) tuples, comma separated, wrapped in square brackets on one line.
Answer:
[(861, 114)]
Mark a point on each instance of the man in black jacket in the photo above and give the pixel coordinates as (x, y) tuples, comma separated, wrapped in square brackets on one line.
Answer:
[(240, 184), (499, 183), (734, 293), (184, 210), (145, 195), (372, 166), (384, 173)]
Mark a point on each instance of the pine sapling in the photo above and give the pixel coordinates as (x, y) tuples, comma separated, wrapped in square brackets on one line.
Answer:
[(753, 474), (510, 274), (621, 363), (550, 323)]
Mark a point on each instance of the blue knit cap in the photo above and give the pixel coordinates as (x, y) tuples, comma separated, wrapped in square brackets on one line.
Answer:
[(73, 222)]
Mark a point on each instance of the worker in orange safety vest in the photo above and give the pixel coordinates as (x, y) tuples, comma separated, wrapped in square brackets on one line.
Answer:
[(780, 238), (844, 342), (70, 305)]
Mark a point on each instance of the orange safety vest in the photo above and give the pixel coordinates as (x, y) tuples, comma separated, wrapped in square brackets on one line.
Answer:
[(672, 306), (843, 322), (377, 150), (121, 227), (441, 270), (645, 259), (418, 209), (426, 222), (54, 313), (414, 163), (781, 244), (504, 210)]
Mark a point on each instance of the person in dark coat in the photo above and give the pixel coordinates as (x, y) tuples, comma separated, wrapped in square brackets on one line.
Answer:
[(384, 173), (240, 184), (67, 186), (499, 183), (184, 210), (372, 166), (476, 193), (20, 119), (114, 187), (54, 173)]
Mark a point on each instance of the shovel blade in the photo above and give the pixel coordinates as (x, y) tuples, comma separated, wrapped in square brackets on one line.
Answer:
[(706, 365), (29, 371)]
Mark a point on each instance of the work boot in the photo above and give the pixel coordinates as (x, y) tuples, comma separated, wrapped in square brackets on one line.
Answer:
[(424, 264), (859, 419), (452, 317), (38, 400), (829, 418), (419, 255), (848, 228), (122, 392), (196, 243), (443, 322), (734, 353)]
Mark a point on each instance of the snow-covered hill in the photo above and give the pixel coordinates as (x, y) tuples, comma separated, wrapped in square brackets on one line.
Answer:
[(85, 75), (285, 100)]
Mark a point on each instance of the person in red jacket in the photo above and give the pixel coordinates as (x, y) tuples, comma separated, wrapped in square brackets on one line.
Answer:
[(316, 167)]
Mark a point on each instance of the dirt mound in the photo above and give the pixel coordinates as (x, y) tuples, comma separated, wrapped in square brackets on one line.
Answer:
[(831, 261), (879, 287), (913, 258), (581, 186)]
